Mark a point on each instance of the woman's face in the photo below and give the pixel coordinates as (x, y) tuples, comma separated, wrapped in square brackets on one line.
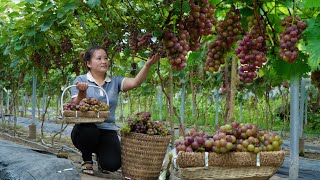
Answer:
[(99, 61)]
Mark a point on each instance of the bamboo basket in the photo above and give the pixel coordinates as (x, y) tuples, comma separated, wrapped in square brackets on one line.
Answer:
[(77, 117), (233, 165), (142, 155)]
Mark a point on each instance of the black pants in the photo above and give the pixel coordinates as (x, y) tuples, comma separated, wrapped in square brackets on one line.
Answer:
[(105, 143)]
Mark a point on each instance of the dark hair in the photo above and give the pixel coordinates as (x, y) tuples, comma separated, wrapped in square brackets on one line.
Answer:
[(86, 56)]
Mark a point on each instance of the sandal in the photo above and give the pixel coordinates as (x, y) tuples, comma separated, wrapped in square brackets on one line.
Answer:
[(87, 168)]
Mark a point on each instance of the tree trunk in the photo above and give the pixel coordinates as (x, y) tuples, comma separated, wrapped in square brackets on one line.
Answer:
[(194, 100), (267, 107), (183, 93), (171, 108), (233, 88), (1, 109), (227, 86)]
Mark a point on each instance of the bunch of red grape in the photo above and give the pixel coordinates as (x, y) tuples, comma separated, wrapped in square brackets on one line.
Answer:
[(228, 31), (194, 141), (144, 40), (177, 48), (66, 44), (315, 78), (133, 40), (87, 104), (197, 23), (133, 70), (232, 137), (141, 123), (251, 49), (294, 27), (36, 59)]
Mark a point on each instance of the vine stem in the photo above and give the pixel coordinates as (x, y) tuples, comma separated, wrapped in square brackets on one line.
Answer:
[(268, 20), (134, 12), (256, 16), (219, 3)]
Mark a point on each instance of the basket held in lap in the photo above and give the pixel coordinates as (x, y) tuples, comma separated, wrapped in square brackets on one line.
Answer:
[(142, 155), (232, 165), (76, 117)]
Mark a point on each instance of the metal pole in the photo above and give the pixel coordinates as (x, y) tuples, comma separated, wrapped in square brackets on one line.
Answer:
[(302, 100), (306, 110), (1, 106), (294, 128)]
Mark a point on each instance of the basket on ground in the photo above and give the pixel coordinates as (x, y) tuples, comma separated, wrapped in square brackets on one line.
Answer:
[(233, 165), (76, 117), (142, 155)]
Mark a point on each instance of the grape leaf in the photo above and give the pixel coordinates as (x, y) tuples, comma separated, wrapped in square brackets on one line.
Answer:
[(311, 3), (312, 38), (93, 3), (285, 70)]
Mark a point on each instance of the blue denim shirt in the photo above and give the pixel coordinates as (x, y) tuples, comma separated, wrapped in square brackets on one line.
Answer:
[(112, 86)]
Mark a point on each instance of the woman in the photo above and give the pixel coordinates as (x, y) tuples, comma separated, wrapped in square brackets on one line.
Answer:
[(102, 139)]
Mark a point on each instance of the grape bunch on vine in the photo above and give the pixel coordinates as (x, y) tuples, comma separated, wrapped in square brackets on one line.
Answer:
[(227, 33), (251, 50), (197, 23), (294, 27)]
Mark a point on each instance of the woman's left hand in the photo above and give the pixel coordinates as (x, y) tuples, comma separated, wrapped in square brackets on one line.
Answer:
[(153, 59)]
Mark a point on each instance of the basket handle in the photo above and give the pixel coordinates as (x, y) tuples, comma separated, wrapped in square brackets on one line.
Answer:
[(65, 89)]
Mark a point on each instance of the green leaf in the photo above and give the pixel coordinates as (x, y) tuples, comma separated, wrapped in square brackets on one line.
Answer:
[(18, 46), (14, 14), (70, 6), (93, 3), (7, 51), (47, 7), (311, 3), (30, 33), (30, 1), (195, 57), (46, 25), (312, 38), (286, 70), (287, 3), (214, 1)]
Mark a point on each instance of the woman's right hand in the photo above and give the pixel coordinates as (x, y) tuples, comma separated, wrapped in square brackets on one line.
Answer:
[(81, 86)]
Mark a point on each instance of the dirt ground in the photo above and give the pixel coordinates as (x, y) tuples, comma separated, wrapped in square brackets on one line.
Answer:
[(75, 157)]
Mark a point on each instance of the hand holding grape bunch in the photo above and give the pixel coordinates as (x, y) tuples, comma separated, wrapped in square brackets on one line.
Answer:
[(81, 86)]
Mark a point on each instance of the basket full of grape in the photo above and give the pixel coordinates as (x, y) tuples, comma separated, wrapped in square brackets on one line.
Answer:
[(143, 147), (235, 151), (89, 110)]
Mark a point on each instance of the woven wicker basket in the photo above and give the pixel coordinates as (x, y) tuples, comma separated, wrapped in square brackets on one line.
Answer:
[(142, 155), (76, 117), (233, 165)]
